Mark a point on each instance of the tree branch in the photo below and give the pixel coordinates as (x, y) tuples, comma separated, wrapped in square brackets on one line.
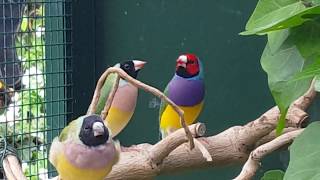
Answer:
[(231, 146), (253, 163)]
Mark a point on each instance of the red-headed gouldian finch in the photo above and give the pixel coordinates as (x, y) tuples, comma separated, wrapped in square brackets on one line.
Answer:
[(124, 102), (84, 150), (186, 89)]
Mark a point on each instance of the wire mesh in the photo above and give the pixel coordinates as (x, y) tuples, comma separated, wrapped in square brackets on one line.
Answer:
[(35, 78)]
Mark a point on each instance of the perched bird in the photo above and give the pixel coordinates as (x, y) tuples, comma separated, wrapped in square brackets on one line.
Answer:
[(84, 150), (187, 90), (124, 102)]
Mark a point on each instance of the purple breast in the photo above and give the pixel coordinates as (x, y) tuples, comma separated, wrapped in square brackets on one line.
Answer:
[(186, 92), (90, 158)]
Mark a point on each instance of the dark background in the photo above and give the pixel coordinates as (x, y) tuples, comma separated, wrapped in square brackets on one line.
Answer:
[(106, 32)]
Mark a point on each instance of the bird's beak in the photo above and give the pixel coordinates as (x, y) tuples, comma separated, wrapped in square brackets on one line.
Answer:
[(98, 129), (138, 64), (182, 61)]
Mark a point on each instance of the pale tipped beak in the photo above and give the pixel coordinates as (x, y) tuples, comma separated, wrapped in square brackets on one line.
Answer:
[(98, 129), (181, 64), (182, 61), (138, 64)]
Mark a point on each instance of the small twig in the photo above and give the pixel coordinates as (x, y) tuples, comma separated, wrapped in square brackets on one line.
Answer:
[(250, 167), (205, 153), (272, 135), (139, 84), (107, 106)]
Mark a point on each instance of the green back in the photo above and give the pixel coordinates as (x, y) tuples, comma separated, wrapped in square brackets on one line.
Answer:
[(106, 89), (72, 129), (163, 104)]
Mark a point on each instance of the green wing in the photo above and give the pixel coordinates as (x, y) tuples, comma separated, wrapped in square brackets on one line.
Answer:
[(71, 128), (163, 106), (163, 103), (106, 89)]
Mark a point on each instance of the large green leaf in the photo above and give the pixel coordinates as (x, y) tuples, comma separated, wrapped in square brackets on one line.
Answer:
[(307, 38), (305, 155), (309, 72), (291, 62), (271, 15), (276, 39), (273, 175), (281, 67), (317, 83)]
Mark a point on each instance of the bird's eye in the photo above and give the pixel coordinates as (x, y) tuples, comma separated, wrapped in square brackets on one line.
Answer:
[(126, 66), (192, 62), (87, 128)]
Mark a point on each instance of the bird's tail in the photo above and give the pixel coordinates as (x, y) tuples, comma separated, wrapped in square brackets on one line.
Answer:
[(163, 133)]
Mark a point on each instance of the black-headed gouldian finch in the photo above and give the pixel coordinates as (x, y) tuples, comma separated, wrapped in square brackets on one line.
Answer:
[(84, 150), (187, 90), (124, 102)]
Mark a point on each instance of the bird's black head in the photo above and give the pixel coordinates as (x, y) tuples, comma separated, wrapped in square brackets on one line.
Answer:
[(93, 131), (132, 67)]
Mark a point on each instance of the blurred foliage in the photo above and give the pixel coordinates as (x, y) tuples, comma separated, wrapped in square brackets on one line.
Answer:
[(24, 123)]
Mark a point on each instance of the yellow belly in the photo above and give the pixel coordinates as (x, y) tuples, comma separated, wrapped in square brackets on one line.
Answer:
[(170, 119), (69, 172), (117, 120)]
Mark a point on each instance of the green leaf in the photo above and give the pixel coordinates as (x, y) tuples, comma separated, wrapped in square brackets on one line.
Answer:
[(276, 39), (281, 67), (305, 155), (307, 38), (271, 15), (273, 175), (309, 72), (317, 84)]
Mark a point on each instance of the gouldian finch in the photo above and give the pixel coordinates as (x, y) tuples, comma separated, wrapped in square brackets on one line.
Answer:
[(84, 150), (187, 90), (124, 102)]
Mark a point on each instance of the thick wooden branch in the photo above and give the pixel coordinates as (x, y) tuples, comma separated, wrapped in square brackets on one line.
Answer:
[(231, 146), (253, 163)]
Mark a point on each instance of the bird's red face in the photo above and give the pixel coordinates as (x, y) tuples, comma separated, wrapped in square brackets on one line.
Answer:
[(187, 65)]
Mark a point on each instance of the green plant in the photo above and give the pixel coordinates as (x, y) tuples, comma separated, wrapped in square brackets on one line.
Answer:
[(25, 122), (291, 60), (291, 56)]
